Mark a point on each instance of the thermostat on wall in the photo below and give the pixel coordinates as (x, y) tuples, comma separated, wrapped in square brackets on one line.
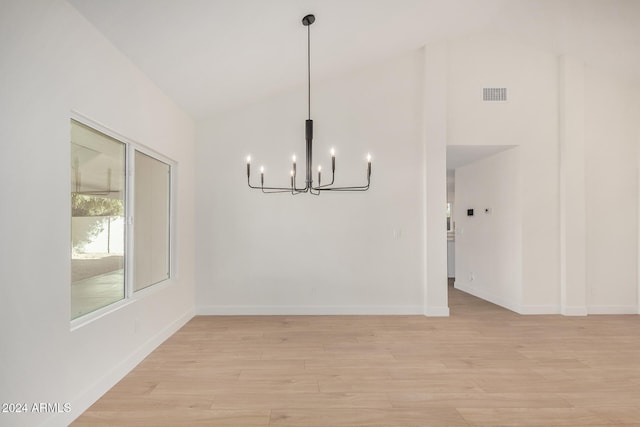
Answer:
[(469, 212)]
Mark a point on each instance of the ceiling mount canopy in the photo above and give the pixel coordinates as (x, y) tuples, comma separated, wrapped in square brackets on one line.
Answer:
[(310, 186), (308, 20)]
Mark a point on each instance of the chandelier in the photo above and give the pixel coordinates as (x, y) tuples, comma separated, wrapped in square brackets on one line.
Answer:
[(310, 186)]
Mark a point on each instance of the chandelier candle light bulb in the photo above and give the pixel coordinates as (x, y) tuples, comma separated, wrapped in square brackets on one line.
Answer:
[(310, 186)]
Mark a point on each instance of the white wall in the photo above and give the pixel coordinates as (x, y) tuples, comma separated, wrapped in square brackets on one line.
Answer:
[(54, 62), (573, 223), (595, 128), (435, 113), (489, 245), (528, 119), (612, 114), (336, 253)]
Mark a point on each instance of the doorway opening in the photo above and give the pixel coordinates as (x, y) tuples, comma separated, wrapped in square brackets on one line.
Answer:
[(451, 238), (482, 217)]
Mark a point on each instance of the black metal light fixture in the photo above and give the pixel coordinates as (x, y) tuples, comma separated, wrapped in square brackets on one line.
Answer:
[(309, 184)]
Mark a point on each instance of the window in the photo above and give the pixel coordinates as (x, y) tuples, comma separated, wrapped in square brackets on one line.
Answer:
[(120, 219), (151, 237), (97, 220)]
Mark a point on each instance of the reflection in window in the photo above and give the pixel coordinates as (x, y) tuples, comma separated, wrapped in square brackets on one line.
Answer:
[(97, 220)]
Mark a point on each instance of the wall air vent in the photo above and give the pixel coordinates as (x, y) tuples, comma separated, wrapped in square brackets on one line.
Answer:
[(494, 94)]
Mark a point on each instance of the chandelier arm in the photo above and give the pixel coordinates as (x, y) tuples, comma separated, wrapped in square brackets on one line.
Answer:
[(275, 191), (295, 193), (278, 189), (333, 178), (363, 188), (257, 187), (285, 189), (298, 189), (301, 189), (349, 188), (294, 190), (272, 190), (326, 185)]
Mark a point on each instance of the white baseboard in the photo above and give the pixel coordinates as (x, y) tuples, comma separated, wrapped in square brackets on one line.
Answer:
[(307, 310), (96, 390), (612, 309), (436, 311), (574, 311), (516, 308), (542, 309)]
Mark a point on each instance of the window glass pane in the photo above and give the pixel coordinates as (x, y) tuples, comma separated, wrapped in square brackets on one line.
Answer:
[(151, 221), (97, 220)]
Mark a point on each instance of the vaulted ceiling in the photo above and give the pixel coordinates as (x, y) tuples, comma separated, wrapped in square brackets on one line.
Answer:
[(214, 55)]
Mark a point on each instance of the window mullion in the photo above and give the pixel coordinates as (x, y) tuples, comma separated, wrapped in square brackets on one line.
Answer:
[(130, 223)]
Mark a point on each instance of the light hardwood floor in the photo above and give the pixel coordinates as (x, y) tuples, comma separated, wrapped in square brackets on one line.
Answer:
[(483, 366)]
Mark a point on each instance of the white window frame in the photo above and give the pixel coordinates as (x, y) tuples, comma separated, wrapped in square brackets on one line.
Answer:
[(131, 223), (131, 296)]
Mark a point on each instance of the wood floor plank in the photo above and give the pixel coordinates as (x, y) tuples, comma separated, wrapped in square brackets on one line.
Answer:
[(533, 417), (597, 398), (122, 402), (439, 384), (301, 400), (620, 416), (477, 400), (282, 385), (483, 366), (177, 417), (366, 417)]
